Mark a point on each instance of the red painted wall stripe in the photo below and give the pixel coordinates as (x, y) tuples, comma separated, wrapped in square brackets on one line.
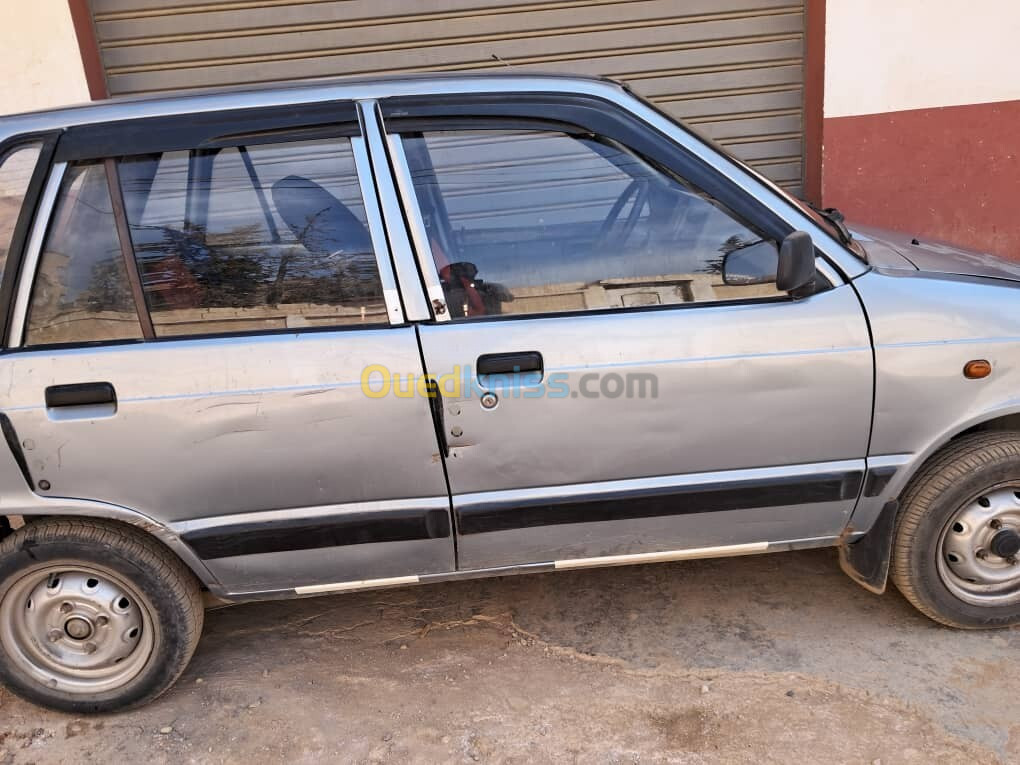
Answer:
[(951, 173)]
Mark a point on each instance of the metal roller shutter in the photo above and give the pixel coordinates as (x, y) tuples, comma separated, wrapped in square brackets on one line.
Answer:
[(731, 68)]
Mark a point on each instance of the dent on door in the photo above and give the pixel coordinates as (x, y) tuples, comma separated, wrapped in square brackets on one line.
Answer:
[(739, 424)]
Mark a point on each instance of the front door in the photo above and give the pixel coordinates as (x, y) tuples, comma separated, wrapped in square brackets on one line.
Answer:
[(609, 394), (194, 342)]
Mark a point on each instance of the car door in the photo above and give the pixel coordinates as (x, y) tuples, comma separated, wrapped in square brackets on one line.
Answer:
[(608, 393), (207, 293)]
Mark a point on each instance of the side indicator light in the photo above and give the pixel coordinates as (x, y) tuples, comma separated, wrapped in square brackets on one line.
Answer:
[(977, 369)]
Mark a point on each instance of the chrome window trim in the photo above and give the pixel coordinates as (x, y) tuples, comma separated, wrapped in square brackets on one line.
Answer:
[(401, 251), (33, 254), (422, 246), (377, 231), (371, 90)]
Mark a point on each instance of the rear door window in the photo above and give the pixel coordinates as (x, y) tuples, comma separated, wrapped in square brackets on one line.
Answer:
[(230, 239), (82, 293), (255, 238)]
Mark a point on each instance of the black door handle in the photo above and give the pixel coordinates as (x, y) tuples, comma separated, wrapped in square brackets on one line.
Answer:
[(80, 394), (509, 363)]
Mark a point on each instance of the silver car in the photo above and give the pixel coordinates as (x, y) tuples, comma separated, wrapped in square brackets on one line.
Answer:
[(346, 335)]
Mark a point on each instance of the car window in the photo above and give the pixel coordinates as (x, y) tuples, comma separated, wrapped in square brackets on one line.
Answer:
[(253, 238), (525, 222), (81, 291), (16, 170)]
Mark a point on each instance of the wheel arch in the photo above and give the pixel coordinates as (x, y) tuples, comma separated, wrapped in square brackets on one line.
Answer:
[(165, 536), (866, 559)]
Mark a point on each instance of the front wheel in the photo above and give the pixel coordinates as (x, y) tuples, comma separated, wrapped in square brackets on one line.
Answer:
[(956, 552), (94, 616)]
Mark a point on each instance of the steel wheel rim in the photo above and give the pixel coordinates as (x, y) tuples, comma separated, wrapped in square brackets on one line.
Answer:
[(967, 562), (79, 629)]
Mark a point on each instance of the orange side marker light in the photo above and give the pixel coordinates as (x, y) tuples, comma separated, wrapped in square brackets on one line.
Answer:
[(977, 369)]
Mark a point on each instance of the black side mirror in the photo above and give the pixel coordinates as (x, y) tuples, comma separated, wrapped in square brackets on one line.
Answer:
[(796, 262)]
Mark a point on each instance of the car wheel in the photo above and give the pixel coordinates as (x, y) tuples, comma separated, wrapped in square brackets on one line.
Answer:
[(957, 541), (95, 616)]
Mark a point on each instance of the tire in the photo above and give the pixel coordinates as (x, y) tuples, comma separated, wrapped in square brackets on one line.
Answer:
[(95, 616), (950, 508)]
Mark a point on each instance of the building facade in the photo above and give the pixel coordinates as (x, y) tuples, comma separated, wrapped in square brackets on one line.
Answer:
[(900, 113)]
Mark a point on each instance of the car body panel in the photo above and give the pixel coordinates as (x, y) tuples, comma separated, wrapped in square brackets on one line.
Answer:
[(937, 257), (733, 386), (262, 452)]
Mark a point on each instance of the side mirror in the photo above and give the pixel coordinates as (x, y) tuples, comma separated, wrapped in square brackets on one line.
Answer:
[(796, 262), (793, 270)]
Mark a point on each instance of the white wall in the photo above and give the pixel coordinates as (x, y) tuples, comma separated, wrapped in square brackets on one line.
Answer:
[(891, 55), (41, 65)]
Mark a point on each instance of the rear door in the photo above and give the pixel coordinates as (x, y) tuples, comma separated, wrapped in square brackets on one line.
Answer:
[(206, 297), (609, 394)]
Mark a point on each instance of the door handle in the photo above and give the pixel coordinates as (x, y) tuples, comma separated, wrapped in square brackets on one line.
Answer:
[(80, 394), (508, 363)]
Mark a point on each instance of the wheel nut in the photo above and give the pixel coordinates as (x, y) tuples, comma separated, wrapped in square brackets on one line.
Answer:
[(66, 608), (102, 621), (54, 635), (995, 523), (91, 648), (981, 554)]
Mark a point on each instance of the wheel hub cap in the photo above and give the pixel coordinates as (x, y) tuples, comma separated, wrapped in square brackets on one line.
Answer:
[(82, 631), (978, 556), (1006, 543)]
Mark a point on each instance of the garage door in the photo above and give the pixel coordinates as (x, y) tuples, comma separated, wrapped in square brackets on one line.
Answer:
[(731, 68)]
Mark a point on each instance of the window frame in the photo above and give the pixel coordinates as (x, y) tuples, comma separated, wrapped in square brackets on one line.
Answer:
[(572, 115), (110, 141), (30, 207)]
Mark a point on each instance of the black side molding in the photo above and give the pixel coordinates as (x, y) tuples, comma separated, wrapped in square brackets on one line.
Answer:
[(866, 561), (291, 535), (80, 394), (486, 517)]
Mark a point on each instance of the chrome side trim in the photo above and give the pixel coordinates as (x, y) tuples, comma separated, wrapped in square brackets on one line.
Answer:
[(580, 490), (377, 231), (422, 246), (16, 334), (309, 513), (415, 304), (663, 557), (539, 568), (364, 584)]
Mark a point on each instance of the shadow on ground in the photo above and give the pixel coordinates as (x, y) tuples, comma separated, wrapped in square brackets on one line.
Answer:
[(774, 658)]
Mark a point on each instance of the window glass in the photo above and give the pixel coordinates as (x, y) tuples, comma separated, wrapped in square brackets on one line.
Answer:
[(252, 238), (536, 222), (15, 173), (81, 290)]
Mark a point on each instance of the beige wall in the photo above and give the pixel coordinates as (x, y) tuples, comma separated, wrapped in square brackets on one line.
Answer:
[(41, 64), (892, 55)]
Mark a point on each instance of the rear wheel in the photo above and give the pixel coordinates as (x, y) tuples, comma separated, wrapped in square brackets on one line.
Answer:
[(956, 553), (94, 616)]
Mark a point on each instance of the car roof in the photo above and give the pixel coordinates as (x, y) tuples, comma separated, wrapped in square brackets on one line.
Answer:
[(299, 91)]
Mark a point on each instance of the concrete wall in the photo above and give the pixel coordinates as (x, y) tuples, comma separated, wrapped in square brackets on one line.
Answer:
[(922, 103), (42, 66)]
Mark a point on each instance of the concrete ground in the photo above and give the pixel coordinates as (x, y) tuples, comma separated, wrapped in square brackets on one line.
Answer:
[(775, 658)]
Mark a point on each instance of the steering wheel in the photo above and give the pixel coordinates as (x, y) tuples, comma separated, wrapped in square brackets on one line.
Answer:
[(638, 189)]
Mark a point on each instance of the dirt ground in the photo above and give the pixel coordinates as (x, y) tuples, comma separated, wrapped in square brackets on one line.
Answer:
[(775, 658)]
